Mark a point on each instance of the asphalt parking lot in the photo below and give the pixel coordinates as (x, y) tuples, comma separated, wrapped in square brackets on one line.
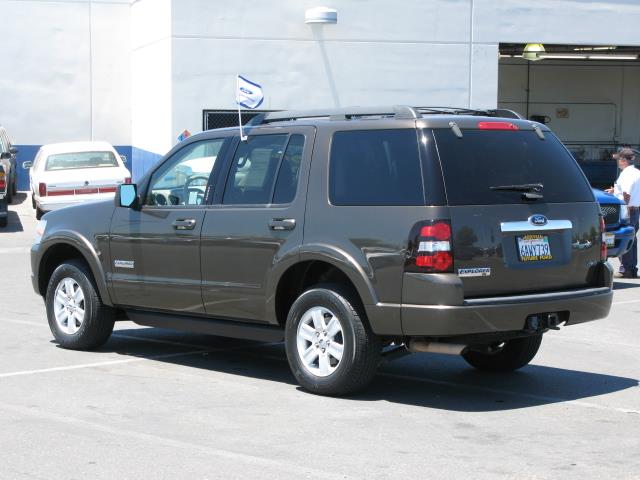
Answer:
[(166, 405)]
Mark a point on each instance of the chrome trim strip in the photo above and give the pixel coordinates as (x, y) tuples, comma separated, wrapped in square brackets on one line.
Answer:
[(509, 227), (497, 301), (537, 297)]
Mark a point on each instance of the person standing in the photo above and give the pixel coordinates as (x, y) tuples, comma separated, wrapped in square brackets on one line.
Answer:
[(627, 188)]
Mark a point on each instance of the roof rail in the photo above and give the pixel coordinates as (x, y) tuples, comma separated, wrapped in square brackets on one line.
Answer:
[(498, 112), (506, 113), (400, 112)]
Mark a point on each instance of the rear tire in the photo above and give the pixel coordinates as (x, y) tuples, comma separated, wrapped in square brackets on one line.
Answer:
[(330, 348), (3, 222), (77, 317), (513, 355)]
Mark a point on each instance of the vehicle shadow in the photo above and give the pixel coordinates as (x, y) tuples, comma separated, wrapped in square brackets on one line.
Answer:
[(618, 285), (13, 223), (19, 198), (425, 380)]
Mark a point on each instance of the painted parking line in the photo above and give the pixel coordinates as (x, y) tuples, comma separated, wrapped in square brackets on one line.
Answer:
[(626, 301), (591, 342), (117, 334), (9, 250), (280, 466), (106, 363)]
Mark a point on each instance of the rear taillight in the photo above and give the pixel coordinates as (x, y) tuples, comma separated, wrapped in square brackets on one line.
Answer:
[(42, 189), (3, 181), (127, 180), (430, 248), (603, 241)]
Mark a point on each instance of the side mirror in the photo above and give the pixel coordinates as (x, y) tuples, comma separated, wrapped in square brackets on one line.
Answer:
[(127, 196), (13, 150), (123, 158), (27, 165)]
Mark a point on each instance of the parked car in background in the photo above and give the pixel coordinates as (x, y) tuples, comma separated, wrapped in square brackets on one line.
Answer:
[(64, 174), (3, 197), (619, 233), (8, 161)]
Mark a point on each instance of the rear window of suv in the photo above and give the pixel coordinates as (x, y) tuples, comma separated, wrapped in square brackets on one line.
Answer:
[(375, 167), (69, 161), (485, 158)]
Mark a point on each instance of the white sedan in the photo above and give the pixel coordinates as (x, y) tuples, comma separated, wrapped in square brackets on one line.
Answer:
[(64, 174)]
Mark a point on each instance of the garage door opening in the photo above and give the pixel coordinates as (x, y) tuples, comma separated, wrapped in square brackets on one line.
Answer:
[(588, 95)]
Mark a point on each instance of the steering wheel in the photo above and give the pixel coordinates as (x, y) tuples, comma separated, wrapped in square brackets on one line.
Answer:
[(188, 189)]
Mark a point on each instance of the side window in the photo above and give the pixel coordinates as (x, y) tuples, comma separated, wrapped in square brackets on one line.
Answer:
[(375, 167), (4, 147), (287, 181), (183, 179), (36, 161), (253, 171)]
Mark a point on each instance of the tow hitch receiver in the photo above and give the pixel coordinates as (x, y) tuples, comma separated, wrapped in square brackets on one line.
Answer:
[(539, 322)]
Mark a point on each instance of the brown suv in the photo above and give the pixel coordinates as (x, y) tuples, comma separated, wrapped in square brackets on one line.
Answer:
[(350, 234)]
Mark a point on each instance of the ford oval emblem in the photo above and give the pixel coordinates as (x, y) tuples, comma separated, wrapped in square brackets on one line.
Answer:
[(538, 220)]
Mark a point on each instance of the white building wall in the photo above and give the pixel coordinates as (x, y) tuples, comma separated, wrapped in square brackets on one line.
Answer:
[(604, 22), (60, 68), (151, 76), (111, 72), (433, 52), (377, 53)]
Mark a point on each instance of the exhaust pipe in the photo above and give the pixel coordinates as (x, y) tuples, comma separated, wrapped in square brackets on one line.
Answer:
[(417, 345)]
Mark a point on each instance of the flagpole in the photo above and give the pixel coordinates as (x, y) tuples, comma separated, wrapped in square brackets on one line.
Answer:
[(242, 137)]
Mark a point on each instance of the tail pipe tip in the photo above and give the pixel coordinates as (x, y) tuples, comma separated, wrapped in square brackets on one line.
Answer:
[(423, 346)]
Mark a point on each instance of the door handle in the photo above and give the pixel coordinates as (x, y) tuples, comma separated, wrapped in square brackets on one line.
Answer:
[(282, 224), (184, 224)]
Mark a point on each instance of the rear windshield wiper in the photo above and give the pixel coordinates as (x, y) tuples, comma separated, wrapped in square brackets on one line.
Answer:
[(530, 191)]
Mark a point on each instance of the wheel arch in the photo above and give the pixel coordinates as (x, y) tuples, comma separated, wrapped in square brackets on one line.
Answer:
[(312, 269), (57, 250)]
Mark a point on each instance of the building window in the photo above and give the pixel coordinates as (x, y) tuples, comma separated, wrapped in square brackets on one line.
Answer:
[(212, 119)]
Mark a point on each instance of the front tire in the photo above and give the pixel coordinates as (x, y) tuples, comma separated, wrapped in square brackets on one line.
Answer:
[(513, 355), (39, 213), (77, 317), (330, 348)]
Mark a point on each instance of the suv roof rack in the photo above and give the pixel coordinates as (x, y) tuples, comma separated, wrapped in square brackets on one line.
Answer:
[(347, 113), (399, 112)]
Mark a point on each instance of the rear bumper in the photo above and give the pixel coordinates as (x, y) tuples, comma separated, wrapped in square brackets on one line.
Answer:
[(490, 315), (624, 239), (504, 314), (47, 204)]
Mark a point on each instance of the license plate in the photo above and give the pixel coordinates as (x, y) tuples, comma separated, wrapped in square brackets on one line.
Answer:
[(610, 239), (534, 248)]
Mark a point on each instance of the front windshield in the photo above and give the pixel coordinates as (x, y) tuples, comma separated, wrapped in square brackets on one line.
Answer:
[(67, 161)]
